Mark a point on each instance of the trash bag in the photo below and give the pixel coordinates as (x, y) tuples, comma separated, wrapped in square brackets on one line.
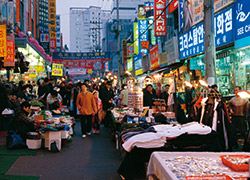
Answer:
[(14, 141)]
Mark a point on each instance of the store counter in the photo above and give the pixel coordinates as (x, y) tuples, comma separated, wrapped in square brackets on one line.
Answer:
[(177, 165)]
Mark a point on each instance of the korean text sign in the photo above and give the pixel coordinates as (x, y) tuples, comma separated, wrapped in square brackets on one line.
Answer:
[(3, 47), (52, 26), (143, 34), (94, 56), (136, 41), (9, 60), (57, 69), (148, 6), (138, 65), (242, 19), (154, 57), (161, 22), (130, 64), (86, 64), (192, 42)]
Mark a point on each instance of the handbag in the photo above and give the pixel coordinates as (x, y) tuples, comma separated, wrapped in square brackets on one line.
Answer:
[(14, 140), (101, 115)]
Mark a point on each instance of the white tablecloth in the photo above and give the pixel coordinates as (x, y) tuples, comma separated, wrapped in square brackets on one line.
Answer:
[(157, 166)]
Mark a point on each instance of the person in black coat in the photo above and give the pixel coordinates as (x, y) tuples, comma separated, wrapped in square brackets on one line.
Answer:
[(164, 95), (107, 96), (21, 123), (148, 96)]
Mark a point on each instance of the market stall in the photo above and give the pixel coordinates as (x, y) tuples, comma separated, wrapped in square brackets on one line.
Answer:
[(197, 165)]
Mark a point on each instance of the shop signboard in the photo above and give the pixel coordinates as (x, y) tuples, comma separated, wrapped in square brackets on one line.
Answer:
[(148, 6), (57, 69), (130, 64), (136, 41), (161, 22), (144, 44), (153, 38), (38, 68), (172, 50), (130, 48), (41, 74), (91, 56), (106, 66), (52, 26), (242, 23), (138, 65), (9, 60), (192, 42), (87, 64), (3, 44), (145, 63), (223, 27), (141, 12), (163, 59), (154, 57), (174, 4), (197, 64), (143, 34)]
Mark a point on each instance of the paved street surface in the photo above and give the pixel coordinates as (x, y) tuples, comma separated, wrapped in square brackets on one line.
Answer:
[(83, 159)]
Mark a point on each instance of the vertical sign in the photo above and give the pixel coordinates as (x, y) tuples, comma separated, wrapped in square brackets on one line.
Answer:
[(136, 42), (143, 34), (181, 20), (138, 65), (198, 13), (154, 57), (130, 48), (52, 25), (3, 48), (153, 38), (124, 51), (130, 64), (9, 60), (141, 12), (161, 22), (172, 6), (148, 6)]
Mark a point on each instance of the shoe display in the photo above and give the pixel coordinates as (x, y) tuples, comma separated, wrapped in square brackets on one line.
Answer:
[(84, 136)]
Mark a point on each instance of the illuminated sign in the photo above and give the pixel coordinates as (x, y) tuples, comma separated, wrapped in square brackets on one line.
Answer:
[(143, 34)]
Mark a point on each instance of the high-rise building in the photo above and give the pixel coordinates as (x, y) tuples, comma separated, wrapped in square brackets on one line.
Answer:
[(86, 28)]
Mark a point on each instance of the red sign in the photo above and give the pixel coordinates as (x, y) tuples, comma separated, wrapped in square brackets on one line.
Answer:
[(52, 43), (9, 60), (154, 57), (144, 44), (172, 6), (130, 50), (80, 64), (161, 22)]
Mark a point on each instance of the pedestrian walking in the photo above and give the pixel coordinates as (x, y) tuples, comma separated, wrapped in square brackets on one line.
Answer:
[(95, 120), (87, 108)]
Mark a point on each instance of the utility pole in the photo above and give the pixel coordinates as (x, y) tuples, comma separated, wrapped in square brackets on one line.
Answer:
[(210, 52), (118, 43)]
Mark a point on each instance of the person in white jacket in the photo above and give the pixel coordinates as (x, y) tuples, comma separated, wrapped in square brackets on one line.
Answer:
[(53, 99)]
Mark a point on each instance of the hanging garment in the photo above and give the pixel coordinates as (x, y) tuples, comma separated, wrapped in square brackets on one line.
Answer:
[(214, 123), (203, 105)]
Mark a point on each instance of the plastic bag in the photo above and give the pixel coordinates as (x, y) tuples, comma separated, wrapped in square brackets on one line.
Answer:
[(14, 140)]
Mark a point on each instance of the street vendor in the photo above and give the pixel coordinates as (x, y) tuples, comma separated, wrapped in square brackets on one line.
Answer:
[(53, 100), (22, 124)]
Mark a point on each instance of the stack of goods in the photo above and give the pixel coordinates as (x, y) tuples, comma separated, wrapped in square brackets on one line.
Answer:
[(135, 97)]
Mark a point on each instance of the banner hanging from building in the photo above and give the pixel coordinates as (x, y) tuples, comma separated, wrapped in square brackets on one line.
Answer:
[(94, 56), (52, 25), (87, 64), (143, 34), (124, 51), (193, 11), (130, 49), (154, 57), (161, 22), (136, 41), (138, 65), (3, 40), (9, 60), (181, 19), (57, 69)]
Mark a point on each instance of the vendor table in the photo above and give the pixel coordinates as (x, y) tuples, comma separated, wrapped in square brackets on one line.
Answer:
[(158, 166)]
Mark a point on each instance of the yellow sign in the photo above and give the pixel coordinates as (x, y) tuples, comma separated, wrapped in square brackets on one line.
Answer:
[(138, 72), (89, 71), (3, 41), (57, 69), (39, 68), (32, 75)]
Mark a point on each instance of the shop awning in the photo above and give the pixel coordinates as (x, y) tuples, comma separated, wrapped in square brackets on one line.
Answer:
[(39, 52), (169, 68)]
